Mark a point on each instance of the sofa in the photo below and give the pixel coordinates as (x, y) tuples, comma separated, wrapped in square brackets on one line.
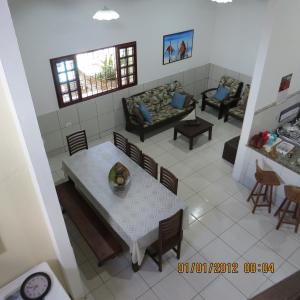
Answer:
[(235, 88), (238, 111), (158, 102)]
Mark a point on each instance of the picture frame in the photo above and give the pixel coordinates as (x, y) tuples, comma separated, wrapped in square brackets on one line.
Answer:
[(177, 46)]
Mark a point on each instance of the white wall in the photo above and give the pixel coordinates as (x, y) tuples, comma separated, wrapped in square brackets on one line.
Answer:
[(25, 238), (47, 29), (278, 55), (23, 159), (282, 53), (237, 35)]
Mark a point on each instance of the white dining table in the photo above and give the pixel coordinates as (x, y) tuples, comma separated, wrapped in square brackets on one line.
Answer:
[(134, 213)]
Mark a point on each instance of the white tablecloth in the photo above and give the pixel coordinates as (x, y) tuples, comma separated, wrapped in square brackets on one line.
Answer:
[(133, 214)]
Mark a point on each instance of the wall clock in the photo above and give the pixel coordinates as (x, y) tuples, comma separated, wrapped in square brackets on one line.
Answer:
[(36, 286)]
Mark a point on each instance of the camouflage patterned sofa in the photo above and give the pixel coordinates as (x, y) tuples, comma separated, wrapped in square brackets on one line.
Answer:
[(238, 111), (158, 102), (235, 87)]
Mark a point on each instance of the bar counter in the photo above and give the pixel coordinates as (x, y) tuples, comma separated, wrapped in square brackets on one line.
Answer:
[(286, 161)]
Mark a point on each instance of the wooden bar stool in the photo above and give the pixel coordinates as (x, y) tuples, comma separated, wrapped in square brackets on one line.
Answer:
[(292, 195), (264, 180)]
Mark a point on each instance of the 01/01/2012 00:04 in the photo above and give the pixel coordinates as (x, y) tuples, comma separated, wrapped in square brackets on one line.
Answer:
[(222, 267)]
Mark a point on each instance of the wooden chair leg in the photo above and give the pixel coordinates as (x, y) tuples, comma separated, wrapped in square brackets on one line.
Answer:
[(257, 198), (270, 198), (142, 136), (252, 192), (283, 214), (220, 114), (160, 262), (266, 194), (280, 207), (178, 250), (296, 210), (226, 117), (297, 218), (203, 105)]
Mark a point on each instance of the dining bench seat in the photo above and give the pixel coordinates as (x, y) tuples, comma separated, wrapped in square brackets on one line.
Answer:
[(98, 236)]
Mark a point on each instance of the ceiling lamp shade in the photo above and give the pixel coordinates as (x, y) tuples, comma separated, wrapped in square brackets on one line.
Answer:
[(106, 15), (222, 1)]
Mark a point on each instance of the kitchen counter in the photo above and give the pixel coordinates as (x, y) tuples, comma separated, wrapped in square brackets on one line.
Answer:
[(290, 163), (56, 292)]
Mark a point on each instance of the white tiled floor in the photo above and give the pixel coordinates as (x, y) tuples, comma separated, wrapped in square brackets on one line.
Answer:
[(222, 228)]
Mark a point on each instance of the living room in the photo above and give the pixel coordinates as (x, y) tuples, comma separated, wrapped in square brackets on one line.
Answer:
[(240, 40)]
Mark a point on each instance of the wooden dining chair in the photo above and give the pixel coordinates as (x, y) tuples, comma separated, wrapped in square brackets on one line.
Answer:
[(120, 141), (77, 141), (134, 153), (169, 180), (150, 165), (169, 238)]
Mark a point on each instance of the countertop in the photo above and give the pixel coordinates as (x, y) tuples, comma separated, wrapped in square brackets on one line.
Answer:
[(56, 292), (290, 163)]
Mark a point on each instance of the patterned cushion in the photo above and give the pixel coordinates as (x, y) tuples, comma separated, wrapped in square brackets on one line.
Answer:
[(156, 97), (243, 102), (237, 111), (166, 112), (216, 102), (231, 83)]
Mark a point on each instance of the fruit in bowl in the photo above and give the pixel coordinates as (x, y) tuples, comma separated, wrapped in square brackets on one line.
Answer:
[(119, 176)]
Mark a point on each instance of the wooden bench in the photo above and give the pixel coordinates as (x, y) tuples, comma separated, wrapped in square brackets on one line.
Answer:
[(96, 233)]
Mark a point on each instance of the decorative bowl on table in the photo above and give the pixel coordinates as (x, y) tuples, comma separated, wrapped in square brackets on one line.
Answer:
[(118, 177)]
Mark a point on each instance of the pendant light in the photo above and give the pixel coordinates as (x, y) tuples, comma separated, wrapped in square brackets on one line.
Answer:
[(106, 14)]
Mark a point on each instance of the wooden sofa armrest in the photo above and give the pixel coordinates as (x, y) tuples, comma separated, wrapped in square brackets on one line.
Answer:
[(129, 117), (204, 94), (231, 102), (133, 117), (194, 102)]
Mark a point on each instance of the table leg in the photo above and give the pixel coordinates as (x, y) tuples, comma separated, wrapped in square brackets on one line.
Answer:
[(175, 134), (209, 133), (191, 143), (135, 267)]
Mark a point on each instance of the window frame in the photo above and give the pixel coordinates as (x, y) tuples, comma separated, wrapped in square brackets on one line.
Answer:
[(57, 83)]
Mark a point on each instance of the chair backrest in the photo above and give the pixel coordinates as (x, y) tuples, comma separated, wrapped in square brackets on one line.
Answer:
[(77, 141), (120, 141), (245, 95), (266, 177), (169, 180), (150, 165), (292, 193), (170, 231), (235, 86), (134, 153)]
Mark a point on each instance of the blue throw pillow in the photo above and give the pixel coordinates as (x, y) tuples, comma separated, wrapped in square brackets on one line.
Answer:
[(221, 93), (146, 113), (178, 100)]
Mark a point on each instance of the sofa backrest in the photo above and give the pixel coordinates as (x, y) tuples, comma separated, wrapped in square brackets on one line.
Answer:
[(232, 84), (154, 98)]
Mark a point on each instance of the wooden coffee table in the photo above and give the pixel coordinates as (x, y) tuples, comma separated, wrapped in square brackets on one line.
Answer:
[(193, 128)]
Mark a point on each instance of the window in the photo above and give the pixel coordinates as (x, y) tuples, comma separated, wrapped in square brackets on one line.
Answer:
[(83, 76)]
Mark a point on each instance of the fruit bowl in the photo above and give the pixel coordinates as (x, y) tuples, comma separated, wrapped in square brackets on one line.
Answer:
[(118, 177)]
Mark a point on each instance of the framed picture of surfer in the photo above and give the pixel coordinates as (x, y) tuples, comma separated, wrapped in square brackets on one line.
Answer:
[(177, 46)]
